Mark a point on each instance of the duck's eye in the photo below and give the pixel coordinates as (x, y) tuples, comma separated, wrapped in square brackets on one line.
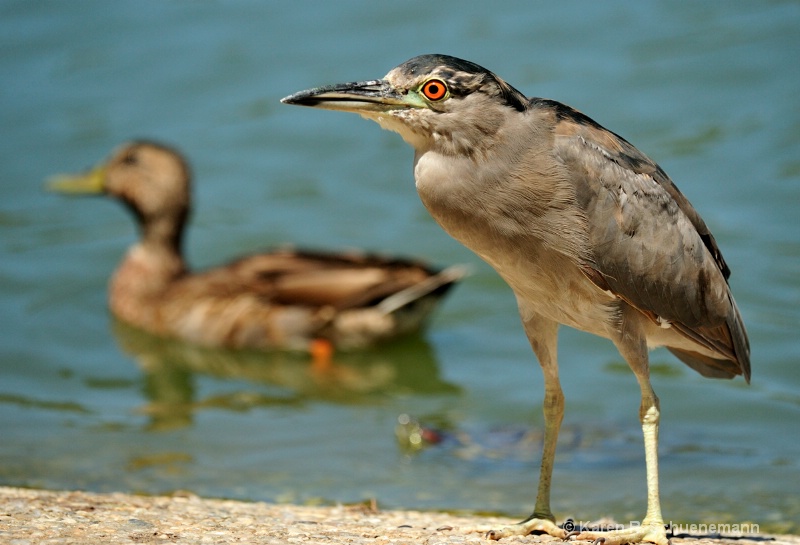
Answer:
[(434, 89), (129, 159)]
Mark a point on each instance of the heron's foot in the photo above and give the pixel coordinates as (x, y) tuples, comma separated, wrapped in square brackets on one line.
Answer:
[(526, 527), (646, 532)]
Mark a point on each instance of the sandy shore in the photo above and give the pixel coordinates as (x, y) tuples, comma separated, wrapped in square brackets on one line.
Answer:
[(45, 517)]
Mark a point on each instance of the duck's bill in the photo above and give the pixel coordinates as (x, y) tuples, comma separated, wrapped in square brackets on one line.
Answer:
[(88, 183)]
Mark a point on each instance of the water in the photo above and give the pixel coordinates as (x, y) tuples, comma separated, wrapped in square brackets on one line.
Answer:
[(707, 89)]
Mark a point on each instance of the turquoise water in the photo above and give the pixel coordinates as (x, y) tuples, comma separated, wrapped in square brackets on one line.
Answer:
[(709, 90)]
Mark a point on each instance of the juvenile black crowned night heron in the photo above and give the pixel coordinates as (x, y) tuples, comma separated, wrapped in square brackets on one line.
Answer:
[(586, 229)]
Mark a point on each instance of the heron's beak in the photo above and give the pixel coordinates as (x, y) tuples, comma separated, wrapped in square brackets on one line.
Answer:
[(89, 183), (363, 97)]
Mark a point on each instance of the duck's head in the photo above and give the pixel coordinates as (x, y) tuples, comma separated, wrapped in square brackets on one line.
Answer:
[(151, 179)]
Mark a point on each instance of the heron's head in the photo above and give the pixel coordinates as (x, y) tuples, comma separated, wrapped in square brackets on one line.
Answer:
[(432, 101)]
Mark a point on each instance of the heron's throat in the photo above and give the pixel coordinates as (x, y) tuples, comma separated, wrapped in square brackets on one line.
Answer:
[(398, 122)]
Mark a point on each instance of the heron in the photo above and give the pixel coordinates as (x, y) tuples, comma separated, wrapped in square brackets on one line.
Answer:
[(587, 230)]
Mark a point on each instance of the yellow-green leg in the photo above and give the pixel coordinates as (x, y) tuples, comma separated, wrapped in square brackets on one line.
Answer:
[(632, 345), (543, 336)]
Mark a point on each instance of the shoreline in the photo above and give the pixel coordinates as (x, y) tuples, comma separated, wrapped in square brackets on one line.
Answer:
[(30, 516)]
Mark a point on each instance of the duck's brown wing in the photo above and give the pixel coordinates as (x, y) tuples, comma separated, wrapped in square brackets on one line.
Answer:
[(339, 280), (287, 297)]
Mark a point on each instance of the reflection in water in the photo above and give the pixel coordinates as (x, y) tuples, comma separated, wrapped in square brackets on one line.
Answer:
[(170, 366), (513, 444)]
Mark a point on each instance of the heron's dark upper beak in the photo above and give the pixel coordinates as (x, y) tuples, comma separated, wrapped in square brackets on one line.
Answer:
[(362, 97)]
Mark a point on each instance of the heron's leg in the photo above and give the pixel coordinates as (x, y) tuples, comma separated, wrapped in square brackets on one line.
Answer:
[(543, 336), (632, 345)]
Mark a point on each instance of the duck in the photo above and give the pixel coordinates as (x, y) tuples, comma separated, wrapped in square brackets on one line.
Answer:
[(282, 298)]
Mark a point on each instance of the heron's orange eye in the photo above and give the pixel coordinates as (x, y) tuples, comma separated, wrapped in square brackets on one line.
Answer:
[(434, 89)]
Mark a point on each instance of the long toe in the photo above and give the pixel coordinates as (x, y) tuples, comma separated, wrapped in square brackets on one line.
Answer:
[(646, 533), (528, 527)]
